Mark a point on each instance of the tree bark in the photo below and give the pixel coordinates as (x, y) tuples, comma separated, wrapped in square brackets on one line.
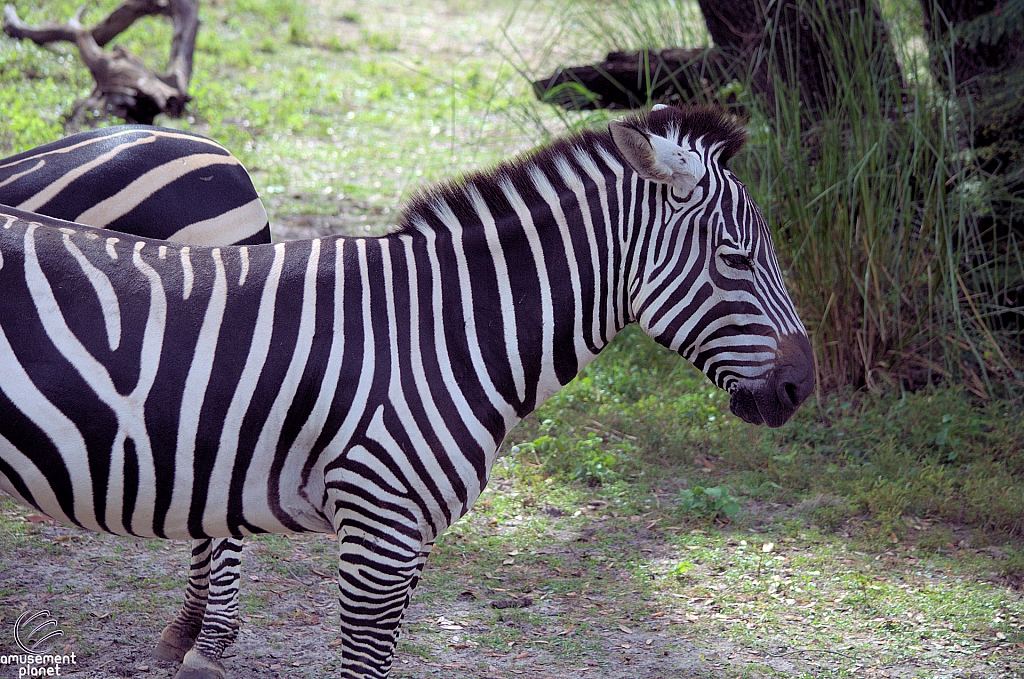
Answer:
[(125, 86)]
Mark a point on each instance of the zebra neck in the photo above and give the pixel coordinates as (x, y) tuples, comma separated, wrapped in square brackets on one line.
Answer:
[(527, 295)]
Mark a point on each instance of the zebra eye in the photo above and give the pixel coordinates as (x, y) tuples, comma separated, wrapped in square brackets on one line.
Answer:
[(739, 262)]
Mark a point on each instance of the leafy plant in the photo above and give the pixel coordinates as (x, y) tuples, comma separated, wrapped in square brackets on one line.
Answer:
[(714, 502), (589, 460), (595, 466), (991, 27), (945, 442), (681, 569)]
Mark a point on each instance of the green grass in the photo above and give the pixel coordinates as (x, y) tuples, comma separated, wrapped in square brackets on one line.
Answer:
[(938, 454), (894, 519)]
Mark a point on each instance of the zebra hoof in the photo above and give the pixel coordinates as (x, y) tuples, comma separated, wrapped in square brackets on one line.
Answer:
[(171, 647), (197, 666)]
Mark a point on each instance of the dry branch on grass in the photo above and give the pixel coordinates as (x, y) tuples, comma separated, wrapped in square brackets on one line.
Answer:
[(125, 87)]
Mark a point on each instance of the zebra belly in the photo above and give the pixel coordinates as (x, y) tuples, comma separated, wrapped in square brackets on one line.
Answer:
[(128, 503)]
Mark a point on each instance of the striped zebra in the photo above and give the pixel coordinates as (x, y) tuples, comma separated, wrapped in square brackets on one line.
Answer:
[(141, 180), (162, 184), (362, 386)]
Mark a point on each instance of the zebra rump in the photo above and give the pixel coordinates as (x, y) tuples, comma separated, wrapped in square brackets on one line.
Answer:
[(190, 190), (148, 181)]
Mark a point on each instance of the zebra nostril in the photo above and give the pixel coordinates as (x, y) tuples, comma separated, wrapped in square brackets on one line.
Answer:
[(793, 387), (792, 394), (795, 371)]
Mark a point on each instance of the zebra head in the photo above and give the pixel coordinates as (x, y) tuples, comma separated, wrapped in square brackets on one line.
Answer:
[(705, 281)]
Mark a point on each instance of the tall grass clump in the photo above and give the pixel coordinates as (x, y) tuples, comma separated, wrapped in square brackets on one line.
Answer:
[(881, 216), (628, 26)]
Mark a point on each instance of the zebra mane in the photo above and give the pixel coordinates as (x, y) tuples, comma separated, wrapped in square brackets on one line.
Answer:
[(711, 125)]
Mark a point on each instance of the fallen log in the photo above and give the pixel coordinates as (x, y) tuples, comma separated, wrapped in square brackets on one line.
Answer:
[(625, 80)]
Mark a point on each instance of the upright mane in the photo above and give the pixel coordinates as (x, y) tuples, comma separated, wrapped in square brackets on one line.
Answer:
[(712, 125)]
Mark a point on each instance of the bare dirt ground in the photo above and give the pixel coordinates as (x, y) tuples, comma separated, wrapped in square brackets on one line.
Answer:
[(112, 596)]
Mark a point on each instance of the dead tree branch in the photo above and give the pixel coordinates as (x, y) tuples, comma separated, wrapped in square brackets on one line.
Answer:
[(125, 87)]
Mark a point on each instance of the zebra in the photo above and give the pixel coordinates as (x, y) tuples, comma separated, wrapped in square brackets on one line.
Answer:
[(362, 386), (141, 180), (162, 184)]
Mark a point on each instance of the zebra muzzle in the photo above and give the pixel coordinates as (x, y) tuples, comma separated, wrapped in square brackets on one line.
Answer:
[(774, 399)]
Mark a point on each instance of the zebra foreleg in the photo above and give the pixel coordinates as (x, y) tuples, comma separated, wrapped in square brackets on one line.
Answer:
[(220, 622), (376, 577)]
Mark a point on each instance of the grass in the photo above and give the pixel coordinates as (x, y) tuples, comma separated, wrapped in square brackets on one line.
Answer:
[(893, 519), (939, 453)]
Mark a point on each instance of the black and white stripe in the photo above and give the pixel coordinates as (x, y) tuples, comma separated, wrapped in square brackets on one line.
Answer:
[(362, 386)]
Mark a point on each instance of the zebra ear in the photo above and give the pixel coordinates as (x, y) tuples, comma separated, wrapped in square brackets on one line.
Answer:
[(656, 158)]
